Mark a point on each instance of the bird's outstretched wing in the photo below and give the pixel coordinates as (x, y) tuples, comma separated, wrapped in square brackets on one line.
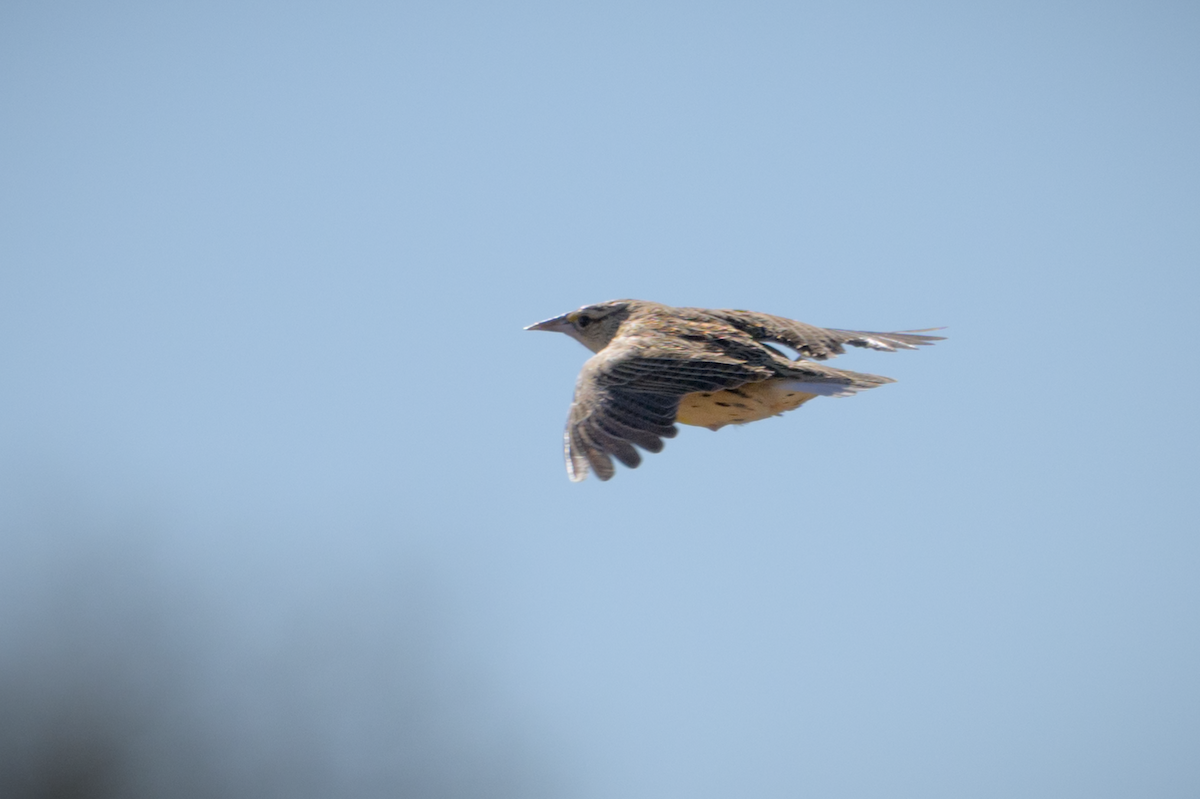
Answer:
[(819, 343), (625, 397)]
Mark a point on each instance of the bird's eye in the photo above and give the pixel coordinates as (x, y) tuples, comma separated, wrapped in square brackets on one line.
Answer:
[(583, 321)]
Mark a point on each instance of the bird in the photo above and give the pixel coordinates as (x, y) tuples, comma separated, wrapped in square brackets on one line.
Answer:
[(656, 365)]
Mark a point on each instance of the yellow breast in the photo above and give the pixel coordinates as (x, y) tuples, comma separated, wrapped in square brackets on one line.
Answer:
[(748, 403)]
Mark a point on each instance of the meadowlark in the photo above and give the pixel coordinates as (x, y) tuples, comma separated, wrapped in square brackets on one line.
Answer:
[(656, 365)]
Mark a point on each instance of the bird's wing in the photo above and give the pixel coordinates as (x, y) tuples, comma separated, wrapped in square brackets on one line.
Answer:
[(819, 343), (629, 394)]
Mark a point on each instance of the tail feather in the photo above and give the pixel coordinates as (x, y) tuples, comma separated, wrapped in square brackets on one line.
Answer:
[(825, 381)]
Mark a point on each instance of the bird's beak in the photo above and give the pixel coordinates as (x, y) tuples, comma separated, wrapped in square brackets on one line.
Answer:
[(558, 324)]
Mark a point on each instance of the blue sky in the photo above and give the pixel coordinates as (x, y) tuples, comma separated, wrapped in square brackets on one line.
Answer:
[(264, 270)]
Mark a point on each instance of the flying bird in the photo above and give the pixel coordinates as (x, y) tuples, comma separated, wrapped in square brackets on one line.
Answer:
[(656, 365)]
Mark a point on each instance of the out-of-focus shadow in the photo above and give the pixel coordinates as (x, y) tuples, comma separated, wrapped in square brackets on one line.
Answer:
[(115, 682)]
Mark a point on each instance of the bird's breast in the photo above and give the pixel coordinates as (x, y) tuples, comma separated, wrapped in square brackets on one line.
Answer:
[(741, 405)]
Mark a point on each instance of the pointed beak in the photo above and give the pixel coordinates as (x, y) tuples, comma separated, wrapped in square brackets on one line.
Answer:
[(558, 324)]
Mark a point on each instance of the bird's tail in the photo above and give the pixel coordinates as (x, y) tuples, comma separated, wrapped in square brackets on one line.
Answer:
[(825, 381)]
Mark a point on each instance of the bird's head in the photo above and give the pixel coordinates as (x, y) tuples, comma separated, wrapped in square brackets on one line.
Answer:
[(593, 326)]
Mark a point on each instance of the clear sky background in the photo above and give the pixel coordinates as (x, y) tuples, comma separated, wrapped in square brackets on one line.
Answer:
[(266, 403)]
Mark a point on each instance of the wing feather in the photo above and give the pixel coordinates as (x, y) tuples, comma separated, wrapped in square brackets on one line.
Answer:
[(820, 343), (623, 400)]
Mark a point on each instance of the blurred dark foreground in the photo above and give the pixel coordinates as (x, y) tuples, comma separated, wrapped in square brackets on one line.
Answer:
[(118, 678)]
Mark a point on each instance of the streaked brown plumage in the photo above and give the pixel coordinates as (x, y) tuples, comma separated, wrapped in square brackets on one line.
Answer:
[(656, 365)]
